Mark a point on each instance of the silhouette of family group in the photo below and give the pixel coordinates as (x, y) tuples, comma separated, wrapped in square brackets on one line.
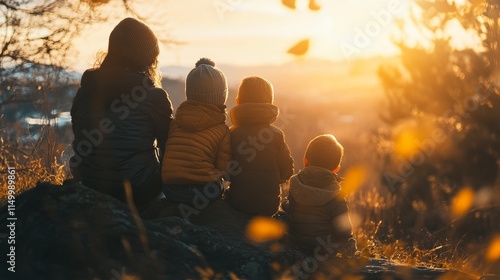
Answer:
[(126, 135)]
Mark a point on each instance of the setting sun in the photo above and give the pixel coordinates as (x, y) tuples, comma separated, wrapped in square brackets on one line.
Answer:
[(258, 31)]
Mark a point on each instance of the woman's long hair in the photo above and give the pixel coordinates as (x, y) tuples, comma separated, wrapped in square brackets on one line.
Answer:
[(103, 59)]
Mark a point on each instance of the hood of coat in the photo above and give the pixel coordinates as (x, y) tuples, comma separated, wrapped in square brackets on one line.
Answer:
[(254, 113), (196, 116), (314, 186)]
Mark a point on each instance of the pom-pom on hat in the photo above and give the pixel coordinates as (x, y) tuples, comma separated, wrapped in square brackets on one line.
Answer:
[(133, 41), (255, 90), (206, 83), (324, 151)]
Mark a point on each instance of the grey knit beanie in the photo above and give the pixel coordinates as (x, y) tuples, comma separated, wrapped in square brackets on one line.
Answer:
[(206, 83), (133, 41)]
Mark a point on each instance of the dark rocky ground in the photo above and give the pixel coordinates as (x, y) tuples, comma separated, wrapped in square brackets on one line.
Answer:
[(72, 232)]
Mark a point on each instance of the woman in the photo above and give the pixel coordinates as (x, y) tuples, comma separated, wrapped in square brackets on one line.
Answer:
[(120, 116)]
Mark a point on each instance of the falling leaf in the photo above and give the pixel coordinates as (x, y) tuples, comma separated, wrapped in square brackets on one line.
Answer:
[(233, 276), (300, 48), (289, 3), (263, 229), (130, 277), (276, 247), (205, 273), (462, 202), (406, 143), (276, 266), (313, 6), (493, 253), (353, 179)]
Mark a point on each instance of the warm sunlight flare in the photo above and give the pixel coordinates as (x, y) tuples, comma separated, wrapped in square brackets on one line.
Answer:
[(352, 277), (493, 253), (128, 277), (194, 139), (406, 143), (263, 229), (354, 178), (462, 202), (335, 30)]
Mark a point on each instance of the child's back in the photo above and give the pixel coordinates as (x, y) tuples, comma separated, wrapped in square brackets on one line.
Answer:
[(316, 209), (317, 212), (260, 150)]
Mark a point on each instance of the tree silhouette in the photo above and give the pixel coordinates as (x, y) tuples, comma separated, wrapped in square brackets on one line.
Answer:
[(37, 33)]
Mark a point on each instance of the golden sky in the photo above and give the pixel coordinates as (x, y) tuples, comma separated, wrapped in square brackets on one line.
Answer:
[(254, 32)]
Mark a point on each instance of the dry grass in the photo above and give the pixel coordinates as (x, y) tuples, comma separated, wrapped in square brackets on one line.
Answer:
[(31, 167), (376, 236), (372, 210), (39, 161)]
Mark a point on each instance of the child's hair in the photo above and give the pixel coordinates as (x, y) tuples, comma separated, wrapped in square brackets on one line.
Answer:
[(132, 45), (255, 90), (324, 151), (206, 83)]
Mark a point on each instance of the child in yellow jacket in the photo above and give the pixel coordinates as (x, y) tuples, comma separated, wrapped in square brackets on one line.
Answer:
[(198, 148)]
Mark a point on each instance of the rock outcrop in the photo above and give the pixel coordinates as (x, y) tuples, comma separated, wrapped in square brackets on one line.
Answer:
[(73, 232)]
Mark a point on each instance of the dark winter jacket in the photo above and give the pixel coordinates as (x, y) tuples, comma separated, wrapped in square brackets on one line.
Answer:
[(119, 118), (198, 148), (315, 208), (263, 158)]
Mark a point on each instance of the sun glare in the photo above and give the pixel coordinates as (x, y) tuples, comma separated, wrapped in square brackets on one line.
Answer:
[(493, 253), (407, 143), (462, 202), (263, 229), (353, 180)]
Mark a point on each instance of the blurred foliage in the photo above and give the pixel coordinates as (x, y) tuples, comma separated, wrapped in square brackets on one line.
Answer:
[(442, 107)]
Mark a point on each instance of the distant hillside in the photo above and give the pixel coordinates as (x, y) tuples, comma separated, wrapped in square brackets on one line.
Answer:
[(314, 97), (312, 78)]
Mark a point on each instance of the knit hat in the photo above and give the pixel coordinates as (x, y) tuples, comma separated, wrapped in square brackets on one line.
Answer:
[(324, 151), (206, 83), (255, 90), (132, 40)]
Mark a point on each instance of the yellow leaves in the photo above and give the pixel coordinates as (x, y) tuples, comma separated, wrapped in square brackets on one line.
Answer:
[(264, 229), (493, 253), (353, 179), (313, 6), (462, 202)]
